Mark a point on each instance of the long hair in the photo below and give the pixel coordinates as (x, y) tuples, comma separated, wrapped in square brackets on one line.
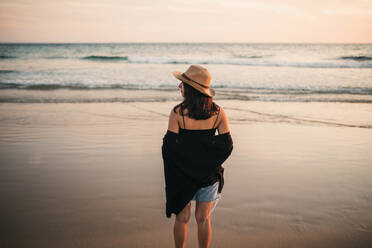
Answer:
[(198, 105)]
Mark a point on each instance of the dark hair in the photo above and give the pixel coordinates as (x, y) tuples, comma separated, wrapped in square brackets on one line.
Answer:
[(198, 105)]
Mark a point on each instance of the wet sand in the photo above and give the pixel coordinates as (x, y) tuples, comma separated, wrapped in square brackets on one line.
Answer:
[(91, 175)]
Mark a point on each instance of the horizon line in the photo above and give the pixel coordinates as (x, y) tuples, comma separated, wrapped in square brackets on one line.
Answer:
[(176, 42)]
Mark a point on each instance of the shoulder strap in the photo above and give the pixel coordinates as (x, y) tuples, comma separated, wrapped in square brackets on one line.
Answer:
[(183, 118), (218, 113)]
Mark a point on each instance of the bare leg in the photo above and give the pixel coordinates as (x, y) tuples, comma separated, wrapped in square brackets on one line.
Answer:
[(180, 226), (202, 217)]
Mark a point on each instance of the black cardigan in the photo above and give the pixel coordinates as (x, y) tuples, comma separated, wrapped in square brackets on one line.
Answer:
[(192, 162)]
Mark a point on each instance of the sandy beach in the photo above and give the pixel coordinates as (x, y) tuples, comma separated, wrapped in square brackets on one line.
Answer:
[(91, 175)]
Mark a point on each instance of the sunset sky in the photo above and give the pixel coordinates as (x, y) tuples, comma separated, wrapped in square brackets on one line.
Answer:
[(323, 21)]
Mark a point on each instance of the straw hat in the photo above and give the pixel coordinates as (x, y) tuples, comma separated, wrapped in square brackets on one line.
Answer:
[(198, 77)]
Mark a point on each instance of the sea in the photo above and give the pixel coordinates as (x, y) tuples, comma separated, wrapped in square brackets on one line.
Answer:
[(142, 72), (81, 128)]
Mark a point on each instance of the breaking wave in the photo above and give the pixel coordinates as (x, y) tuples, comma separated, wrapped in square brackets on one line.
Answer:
[(30, 93), (171, 87), (356, 58), (7, 57), (7, 71), (247, 61), (105, 58)]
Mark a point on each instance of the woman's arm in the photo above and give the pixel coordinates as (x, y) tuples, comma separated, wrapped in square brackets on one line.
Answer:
[(173, 122), (223, 125)]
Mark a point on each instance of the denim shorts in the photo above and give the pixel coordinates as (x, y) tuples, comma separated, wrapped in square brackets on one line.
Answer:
[(206, 194)]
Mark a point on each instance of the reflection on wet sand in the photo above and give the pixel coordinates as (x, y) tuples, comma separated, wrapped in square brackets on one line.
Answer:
[(91, 175)]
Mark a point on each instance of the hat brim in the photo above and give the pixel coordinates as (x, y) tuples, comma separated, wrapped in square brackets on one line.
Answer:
[(206, 91)]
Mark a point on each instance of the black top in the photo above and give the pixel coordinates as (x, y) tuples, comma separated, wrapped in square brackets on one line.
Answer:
[(211, 131), (192, 159), (207, 132), (190, 163)]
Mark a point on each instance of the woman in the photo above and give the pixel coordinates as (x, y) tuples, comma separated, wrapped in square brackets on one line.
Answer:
[(193, 155)]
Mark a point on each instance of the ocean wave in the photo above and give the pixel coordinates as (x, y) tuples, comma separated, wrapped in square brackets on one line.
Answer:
[(105, 58), (7, 57), (242, 60), (356, 58), (299, 91), (82, 100), (223, 89), (246, 62), (290, 99), (97, 99), (47, 87), (7, 71), (360, 61)]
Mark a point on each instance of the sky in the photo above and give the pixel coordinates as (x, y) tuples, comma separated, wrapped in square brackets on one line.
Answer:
[(266, 21)]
